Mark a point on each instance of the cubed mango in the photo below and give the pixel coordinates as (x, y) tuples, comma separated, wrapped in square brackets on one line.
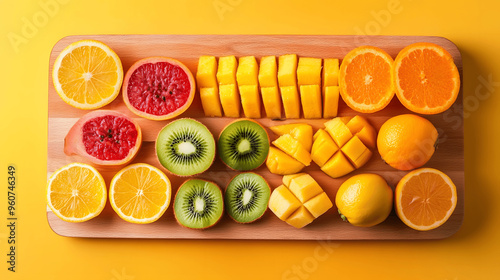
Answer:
[(300, 218), (323, 147), (302, 132), (319, 204), (337, 166), (293, 148), (278, 162), (283, 203), (304, 187)]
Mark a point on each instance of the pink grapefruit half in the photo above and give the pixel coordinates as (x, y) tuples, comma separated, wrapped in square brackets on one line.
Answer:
[(104, 137), (158, 88)]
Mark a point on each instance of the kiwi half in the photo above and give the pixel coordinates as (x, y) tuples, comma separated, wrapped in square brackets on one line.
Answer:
[(246, 197), (198, 204), (185, 147), (243, 145)]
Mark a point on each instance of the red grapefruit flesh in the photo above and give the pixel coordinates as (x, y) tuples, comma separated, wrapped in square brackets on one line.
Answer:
[(158, 88), (104, 137)]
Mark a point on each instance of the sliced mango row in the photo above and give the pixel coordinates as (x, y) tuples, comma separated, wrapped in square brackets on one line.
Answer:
[(299, 200), (344, 145), (307, 85)]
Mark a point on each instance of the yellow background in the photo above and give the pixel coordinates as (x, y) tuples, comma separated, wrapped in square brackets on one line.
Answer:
[(472, 253)]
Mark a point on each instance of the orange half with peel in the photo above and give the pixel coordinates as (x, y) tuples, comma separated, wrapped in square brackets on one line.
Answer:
[(425, 199), (365, 79), (426, 78)]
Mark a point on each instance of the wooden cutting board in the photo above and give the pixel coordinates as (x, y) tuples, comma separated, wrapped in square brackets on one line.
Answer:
[(449, 157)]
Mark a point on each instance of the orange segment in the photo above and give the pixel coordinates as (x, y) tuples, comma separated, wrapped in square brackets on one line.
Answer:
[(426, 78), (140, 193), (425, 199), (87, 74), (365, 79), (76, 192)]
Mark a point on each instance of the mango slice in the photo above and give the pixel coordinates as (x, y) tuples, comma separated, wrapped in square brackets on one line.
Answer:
[(304, 188), (309, 71), (319, 204), (291, 101), (206, 73), (356, 152), (331, 96), (302, 132), (210, 101), (360, 127), (339, 131), (293, 148), (282, 164), (300, 218), (287, 79), (268, 72), (247, 78), (206, 80), (283, 203), (337, 166), (272, 102), (248, 71), (323, 148), (268, 81), (330, 72), (287, 70), (226, 72), (230, 100), (330, 87), (250, 101), (299, 200), (228, 92), (288, 178), (310, 97)]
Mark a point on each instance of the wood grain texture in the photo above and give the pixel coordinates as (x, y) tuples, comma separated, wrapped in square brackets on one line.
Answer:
[(449, 157)]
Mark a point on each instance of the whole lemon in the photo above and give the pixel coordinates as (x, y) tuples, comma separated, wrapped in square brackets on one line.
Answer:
[(364, 200), (407, 141)]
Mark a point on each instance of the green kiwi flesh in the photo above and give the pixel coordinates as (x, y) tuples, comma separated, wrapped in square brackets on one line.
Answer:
[(243, 145), (198, 204), (246, 197), (185, 147)]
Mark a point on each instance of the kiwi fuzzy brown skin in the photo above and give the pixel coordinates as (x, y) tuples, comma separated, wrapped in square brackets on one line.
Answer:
[(263, 213), (237, 120), (183, 176), (175, 197)]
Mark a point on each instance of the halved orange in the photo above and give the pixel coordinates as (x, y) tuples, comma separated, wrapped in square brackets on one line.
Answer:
[(76, 192), (365, 79), (87, 74), (426, 79), (425, 199), (140, 193)]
